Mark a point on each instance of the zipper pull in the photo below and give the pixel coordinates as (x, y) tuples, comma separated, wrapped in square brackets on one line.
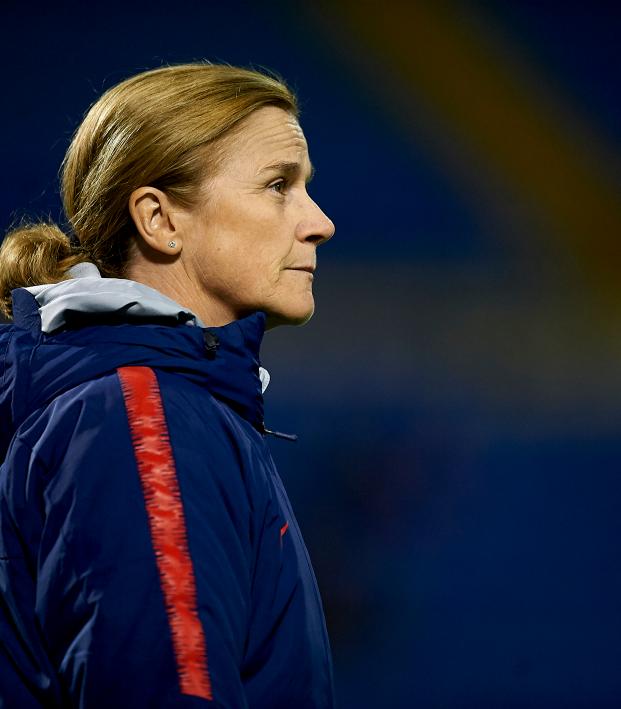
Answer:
[(287, 436)]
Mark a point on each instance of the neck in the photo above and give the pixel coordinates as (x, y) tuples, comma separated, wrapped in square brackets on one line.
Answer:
[(172, 280)]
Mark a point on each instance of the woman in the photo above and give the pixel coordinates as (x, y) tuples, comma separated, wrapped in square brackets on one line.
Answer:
[(149, 554)]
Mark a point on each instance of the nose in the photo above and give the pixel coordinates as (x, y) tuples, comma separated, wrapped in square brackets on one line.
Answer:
[(315, 227)]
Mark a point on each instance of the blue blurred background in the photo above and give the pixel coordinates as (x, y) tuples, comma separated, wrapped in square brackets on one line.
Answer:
[(458, 392)]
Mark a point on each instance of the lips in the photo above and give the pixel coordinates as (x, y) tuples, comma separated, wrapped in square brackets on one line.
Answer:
[(309, 269)]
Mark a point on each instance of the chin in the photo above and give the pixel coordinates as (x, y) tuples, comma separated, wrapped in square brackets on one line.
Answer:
[(289, 316)]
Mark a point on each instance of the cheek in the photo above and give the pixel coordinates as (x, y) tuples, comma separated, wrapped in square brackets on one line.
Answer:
[(244, 271), (249, 246), (258, 263)]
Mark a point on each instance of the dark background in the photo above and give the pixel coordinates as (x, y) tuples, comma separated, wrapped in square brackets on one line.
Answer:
[(458, 392)]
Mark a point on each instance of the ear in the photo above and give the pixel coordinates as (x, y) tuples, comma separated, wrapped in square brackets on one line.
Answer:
[(155, 219)]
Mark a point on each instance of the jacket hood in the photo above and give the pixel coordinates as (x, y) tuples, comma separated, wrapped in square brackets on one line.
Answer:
[(67, 333)]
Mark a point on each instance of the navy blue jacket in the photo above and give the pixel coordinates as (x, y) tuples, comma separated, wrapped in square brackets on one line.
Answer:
[(149, 556)]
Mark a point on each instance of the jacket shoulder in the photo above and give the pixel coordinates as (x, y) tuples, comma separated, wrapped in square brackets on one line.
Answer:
[(95, 405)]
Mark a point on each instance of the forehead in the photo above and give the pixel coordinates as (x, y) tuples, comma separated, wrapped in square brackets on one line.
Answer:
[(267, 134)]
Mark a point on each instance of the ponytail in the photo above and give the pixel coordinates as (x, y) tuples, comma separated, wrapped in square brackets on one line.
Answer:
[(33, 254)]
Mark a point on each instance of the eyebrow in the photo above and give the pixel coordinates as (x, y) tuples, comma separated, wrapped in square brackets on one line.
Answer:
[(290, 169)]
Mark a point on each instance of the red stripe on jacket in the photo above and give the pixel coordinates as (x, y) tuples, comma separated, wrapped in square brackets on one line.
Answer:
[(158, 477)]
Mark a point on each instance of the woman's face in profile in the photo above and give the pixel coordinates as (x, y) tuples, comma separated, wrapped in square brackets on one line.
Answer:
[(249, 239)]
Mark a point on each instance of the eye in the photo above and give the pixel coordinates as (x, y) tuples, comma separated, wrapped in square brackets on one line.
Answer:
[(278, 186)]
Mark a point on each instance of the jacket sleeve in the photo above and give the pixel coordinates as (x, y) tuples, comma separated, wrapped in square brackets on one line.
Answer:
[(141, 584)]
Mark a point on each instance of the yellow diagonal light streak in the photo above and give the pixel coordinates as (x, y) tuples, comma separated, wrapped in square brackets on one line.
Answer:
[(435, 54)]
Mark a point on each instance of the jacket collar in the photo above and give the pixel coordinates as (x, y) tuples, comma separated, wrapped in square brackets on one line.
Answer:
[(74, 341)]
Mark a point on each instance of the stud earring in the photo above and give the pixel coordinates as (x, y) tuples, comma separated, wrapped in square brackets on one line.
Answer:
[(172, 244)]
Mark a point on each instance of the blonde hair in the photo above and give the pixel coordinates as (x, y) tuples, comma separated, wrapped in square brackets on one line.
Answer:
[(161, 128)]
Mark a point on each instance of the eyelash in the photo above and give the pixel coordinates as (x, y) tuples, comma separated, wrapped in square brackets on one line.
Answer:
[(282, 182)]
